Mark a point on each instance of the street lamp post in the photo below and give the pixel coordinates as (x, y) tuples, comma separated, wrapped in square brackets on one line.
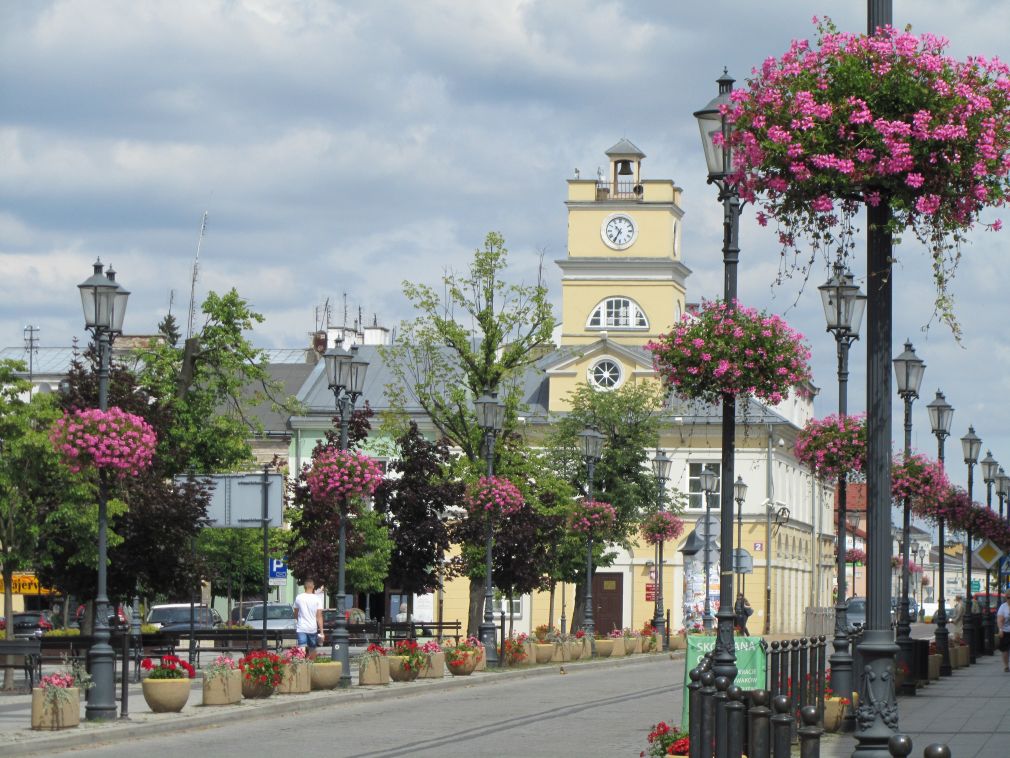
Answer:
[(739, 495), (345, 377), (844, 304), (716, 132), (852, 517), (920, 557), (971, 445), (592, 451), (908, 370), (661, 468), (491, 419), (708, 484), (104, 303), (1002, 490), (941, 413), (989, 468)]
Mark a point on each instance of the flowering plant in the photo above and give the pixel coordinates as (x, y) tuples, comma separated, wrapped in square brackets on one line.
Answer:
[(728, 349), (457, 655), (890, 120), (855, 555), (545, 634), (374, 650), (295, 657), (111, 440), (920, 480), (898, 561), (661, 526), (580, 634), (431, 647), (594, 518), (616, 634), (495, 495), (220, 667), (262, 667), (170, 667), (833, 445), (342, 474), (629, 634), (410, 652), (667, 740), (54, 688), (515, 648)]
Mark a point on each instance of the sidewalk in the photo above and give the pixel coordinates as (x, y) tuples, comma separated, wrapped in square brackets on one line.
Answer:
[(968, 711), (17, 738)]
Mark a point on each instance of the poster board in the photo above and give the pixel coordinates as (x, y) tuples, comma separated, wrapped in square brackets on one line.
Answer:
[(750, 663)]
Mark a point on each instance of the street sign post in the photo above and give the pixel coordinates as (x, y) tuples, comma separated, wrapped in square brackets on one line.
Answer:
[(278, 572)]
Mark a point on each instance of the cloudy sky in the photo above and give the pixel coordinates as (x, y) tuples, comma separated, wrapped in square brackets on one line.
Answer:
[(341, 147)]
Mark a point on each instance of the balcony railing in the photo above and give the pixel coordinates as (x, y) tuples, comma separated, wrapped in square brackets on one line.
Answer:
[(623, 190)]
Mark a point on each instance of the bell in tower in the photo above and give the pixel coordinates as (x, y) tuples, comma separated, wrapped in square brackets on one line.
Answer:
[(625, 177)]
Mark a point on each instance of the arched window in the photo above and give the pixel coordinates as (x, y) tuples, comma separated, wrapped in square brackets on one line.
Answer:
[(605, 374), (617, 313)]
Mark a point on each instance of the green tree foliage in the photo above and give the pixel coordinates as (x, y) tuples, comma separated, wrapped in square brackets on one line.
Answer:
[(232, 560), (412, 503)]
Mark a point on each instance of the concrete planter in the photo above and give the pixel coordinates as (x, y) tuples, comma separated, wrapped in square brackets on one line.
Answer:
[(605, 648), (543, 652), (562, 652), (56, 714), (325, 676), (434, 667), (466, 665), (575, 649), (166, 695), (256, 690), (620, 648), (373, 670), (632, 645), (398, 671), (297, 680), (933, 668), (223, 690), (678, 642), (834, 711)]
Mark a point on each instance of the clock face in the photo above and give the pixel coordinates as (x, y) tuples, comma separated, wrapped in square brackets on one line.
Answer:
[(619, 231)]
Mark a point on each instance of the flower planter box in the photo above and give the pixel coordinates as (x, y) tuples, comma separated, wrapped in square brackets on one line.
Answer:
[(963, 655), (256, 690), (56, 715), (632, 645), (398, 671), (223, 690), (481, 664), (620, 648), (678, 642), (834, 712), (543, 652), (434, 667), (933, 667), (605, 648), (297, 680), (575, 649), (467, 666), (562, 652), (325, 676), (166, 695), (373, 670)]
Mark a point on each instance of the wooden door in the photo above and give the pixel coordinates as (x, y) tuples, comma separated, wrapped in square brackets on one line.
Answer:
[(608, 601)]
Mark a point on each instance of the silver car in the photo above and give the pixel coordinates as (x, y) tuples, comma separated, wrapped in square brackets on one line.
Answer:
[(279, 616), (855, 611)]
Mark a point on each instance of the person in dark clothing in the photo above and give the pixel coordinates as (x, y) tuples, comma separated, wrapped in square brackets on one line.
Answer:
[(742, 611)]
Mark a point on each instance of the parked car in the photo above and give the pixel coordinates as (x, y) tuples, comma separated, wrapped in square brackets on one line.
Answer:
[(174, 617), (855, 611), (240, 610), (117, 620), (30, 624), (353, 615), (279, 616)]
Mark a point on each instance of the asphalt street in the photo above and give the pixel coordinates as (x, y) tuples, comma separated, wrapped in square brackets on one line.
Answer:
[(604, 712)]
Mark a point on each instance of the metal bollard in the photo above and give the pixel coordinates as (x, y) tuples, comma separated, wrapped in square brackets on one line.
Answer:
[(694, 711), (822, 655), (735, 721), (124, 692), (707, 713), (936, 751), (899, 745), (803, 690), (775, 670), (721, 725), (782, 726), (810, 733), (760, 725), (797, 684)]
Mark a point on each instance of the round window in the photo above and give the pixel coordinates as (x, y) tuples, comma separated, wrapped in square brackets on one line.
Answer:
[(605, 374)]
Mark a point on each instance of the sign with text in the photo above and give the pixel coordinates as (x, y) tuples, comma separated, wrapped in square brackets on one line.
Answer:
[(26, 584), (236, 500), (750, 663), (278, 572)]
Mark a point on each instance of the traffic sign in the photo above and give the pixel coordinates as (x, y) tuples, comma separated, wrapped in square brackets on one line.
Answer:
[(713, 527), (650, 587), (650, 597), (278, 572), (743, 563), (976, 585), (988, 554)]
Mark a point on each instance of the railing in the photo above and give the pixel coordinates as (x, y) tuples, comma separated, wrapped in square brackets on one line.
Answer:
[(623, 190), (796, 670), (726, 721)]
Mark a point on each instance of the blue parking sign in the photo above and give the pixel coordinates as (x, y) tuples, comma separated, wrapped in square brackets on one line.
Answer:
[(278, 568)]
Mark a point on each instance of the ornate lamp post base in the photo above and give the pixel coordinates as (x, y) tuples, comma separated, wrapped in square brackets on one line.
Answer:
[(877, 714)]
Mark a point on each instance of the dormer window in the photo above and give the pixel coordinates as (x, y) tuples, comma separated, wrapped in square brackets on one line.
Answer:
[(617, 313)]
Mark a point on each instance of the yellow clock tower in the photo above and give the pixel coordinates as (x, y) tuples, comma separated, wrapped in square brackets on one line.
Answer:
[(622, 283)]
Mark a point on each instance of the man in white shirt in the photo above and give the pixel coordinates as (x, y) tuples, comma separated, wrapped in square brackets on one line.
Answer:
[(1003, 627), (309, 618)]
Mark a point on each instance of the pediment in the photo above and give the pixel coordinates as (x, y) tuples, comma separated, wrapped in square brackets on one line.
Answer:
[(574, 358)]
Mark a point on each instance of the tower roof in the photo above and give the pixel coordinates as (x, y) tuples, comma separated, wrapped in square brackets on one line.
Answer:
[(625, 148)]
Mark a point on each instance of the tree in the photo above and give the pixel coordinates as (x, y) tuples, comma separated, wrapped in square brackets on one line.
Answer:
[(477, 337), (413, 505), (30, 477), (232, 561)]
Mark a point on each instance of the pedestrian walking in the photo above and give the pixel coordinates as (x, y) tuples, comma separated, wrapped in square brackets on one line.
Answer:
[(1003, 625), (309, 618), (742, 611), (957, 617)]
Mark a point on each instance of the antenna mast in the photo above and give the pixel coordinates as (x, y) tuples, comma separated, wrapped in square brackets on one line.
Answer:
[(192, 285)]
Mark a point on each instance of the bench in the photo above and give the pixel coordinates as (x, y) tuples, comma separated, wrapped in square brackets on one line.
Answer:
[(28, 653), (399, 630)]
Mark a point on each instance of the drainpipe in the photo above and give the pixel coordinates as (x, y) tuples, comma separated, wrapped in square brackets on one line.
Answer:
[(769, 507), (814, 570)]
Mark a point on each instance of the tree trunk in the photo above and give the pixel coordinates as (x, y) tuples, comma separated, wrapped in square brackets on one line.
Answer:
[(550, 612), (229, 599), (8, 575), (511, 617), (578, 607), (476, 607)]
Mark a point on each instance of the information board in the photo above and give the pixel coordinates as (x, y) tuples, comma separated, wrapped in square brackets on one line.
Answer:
[(750, 664)]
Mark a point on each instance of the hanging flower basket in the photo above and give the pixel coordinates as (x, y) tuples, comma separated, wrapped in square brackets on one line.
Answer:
[(855, 555), (111, 440), (661, 527), (594, 518), (732, 350), (342, 474), (834, 445), (920, 480), (889, 119), (494, 495)]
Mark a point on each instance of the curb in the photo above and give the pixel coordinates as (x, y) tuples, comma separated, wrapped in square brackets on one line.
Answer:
[(112, 732)]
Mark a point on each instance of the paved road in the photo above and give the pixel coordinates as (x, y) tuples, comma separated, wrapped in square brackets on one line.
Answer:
[(588, 712)]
